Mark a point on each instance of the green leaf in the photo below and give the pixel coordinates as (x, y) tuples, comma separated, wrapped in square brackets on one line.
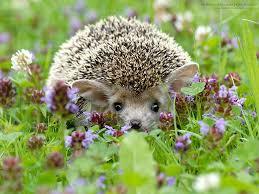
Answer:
[(137, 164), (172, 169), (194, 89), (247, 151), (95, 128), (232, 182), (47, 178)]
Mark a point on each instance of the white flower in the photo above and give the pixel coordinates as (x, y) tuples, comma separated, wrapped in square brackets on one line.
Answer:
[(162, 17), (202, 32), (161, 10), (21, 59), (183, 20), (187, 16), (206, 182), (179, 23), (162, 4)]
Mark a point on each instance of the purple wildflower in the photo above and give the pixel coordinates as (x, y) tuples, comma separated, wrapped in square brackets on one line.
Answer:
[(130, 13), (212, 79), (69, 190), (33, 95), (229, 43), (48, 98), (80, 6), (100, 182), (75, 24), (183, 142), (125, 128), (179, 146), (223, 91), (75, 140), (204, 128), (160, 179), (189, 98), (89, 138), (161, 176), (68, 141), (35, 142), (166, 117), (78, 182), (97, 118), (87, 118), (232, 91), (147, 19), (233, 98), (72, 93), (232, 79), (7, 92), (71, 107), (91, 16), (196, 78), (55, 160), (79, 141), (238, 102), (220, 125), (1, 74), (61, 99), (4, 37), (254, 114), (110, 130), (170, 181), (11, 171)]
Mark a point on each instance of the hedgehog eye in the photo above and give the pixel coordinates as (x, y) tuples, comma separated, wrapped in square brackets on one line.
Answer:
[(155, 107), (117, 106)]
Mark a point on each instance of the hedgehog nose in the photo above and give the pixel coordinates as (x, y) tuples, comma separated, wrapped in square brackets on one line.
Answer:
[(135, 124)]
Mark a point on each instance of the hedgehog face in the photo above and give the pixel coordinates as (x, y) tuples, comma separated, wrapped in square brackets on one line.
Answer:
[(140, 110)]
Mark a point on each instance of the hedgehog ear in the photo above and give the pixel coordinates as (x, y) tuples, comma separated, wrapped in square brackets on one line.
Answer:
[(94, 91), (182, 76)]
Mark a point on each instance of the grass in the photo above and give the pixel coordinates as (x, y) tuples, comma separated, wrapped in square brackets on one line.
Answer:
[(135, 162)]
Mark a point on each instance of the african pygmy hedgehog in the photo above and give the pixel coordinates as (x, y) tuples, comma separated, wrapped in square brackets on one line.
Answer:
[(123, 65)]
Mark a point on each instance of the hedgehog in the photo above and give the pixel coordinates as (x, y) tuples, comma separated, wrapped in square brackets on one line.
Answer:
[(124, 66)]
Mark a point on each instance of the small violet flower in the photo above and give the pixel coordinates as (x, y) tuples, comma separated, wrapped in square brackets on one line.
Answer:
[(220, 125), (125, 128), (204, 128), (183, 142), (110, 130), (80, 139), (196, 78), (61, 98), (223, 91), (166, 117), (100, 182), (4, 37), (170, 181), (89, 138), (7, 92)]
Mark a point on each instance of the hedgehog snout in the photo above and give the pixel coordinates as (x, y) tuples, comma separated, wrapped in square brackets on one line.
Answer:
[(135, 124)]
